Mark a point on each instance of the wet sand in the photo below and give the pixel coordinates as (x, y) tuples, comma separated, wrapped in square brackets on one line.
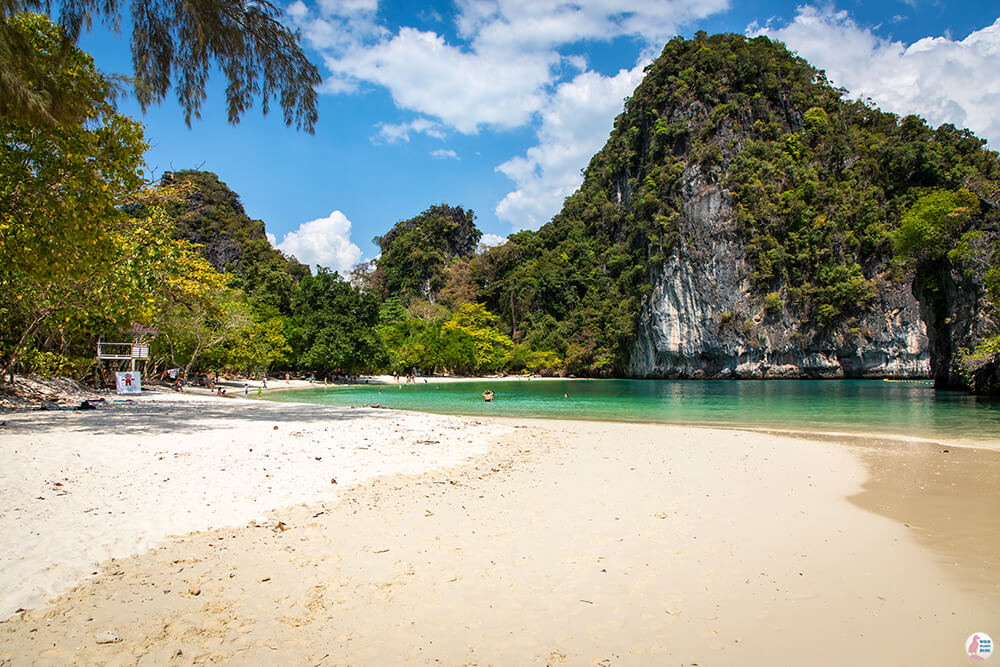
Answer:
[(947, 497), (558, 543)]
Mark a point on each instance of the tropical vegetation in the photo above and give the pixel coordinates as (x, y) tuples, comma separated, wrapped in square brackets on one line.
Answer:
[(829, 196)]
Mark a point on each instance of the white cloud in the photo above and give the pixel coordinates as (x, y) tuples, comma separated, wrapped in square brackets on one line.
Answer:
[(464, 89), (272, 239), (297, 10), (501, 72), (492, 240), (392, 133), (342, 7), (337, 25), (574, 126), (942, 80), (323, 242), (504, 70), (443, 153), (546, 24)]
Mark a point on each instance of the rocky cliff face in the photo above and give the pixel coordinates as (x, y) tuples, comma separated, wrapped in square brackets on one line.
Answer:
[(211, 216), (959, 315), (703, 320), (744, 220)]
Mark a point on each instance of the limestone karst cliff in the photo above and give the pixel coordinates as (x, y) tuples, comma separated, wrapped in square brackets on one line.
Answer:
[(704, 320), (744, 219)]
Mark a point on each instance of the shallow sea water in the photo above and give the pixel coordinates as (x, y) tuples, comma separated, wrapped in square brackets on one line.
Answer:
[(852, 406)]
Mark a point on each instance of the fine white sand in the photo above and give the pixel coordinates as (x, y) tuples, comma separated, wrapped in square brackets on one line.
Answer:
[(555, 543), (78, 487)]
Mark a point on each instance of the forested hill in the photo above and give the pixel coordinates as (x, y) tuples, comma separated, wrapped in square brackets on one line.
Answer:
[(743, 219), (416, 253), (208, 213)]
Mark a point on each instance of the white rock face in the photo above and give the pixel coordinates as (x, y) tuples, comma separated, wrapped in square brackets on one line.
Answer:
[(702, 320)]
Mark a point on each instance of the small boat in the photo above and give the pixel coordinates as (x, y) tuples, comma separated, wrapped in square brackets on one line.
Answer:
[(488, 396), (915, 381)]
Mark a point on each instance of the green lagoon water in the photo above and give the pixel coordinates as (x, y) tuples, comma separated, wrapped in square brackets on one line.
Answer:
[(859, 406)]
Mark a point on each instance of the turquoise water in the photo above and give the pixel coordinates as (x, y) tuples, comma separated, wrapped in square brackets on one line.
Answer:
[(860, 406)]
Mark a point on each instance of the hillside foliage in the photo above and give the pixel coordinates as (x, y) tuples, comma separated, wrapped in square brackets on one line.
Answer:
[(819, 186), (416, 252), (829, 196)]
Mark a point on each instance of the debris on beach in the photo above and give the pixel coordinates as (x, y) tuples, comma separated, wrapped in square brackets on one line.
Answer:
[(31, 391), (107, 637)]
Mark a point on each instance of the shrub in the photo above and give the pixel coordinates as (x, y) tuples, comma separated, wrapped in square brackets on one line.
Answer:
[(773, 303)]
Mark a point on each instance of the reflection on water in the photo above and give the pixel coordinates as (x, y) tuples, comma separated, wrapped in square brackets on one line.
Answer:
[(842, 405)]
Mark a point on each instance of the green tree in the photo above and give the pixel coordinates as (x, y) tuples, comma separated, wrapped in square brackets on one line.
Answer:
[(472, 342), (338, 326), (934, 236), (932, 226), (196, 313), (174, 42), (413, 343), (253, 348), (458, 350), (81, 245), (416, 252)]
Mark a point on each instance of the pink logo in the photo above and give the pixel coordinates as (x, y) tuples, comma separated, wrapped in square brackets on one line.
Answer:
[(979, 646)]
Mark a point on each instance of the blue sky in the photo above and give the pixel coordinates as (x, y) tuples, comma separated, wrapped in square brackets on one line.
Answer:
[(496, 105)]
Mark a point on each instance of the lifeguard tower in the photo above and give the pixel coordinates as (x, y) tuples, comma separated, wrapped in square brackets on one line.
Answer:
[(127, 381)]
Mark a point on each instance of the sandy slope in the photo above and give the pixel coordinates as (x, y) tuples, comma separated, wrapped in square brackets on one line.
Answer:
[(79, 487), (560, 542)]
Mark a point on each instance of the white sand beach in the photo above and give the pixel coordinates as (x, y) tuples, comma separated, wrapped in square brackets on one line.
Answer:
[(77, 488), (189, 530)]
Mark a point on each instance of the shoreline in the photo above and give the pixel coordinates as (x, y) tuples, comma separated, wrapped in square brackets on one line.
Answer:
[(450, 525), (822, 434), (821, 431)]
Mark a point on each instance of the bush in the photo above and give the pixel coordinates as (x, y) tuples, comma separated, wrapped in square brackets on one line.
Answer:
[(773, 303), (970, 361), (544, 363), (46, 363)]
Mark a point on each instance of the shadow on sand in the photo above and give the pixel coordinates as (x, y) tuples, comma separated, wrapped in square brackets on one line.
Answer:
[(178, 417)]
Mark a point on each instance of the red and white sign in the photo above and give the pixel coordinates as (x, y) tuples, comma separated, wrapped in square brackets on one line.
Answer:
[(128, 382)]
